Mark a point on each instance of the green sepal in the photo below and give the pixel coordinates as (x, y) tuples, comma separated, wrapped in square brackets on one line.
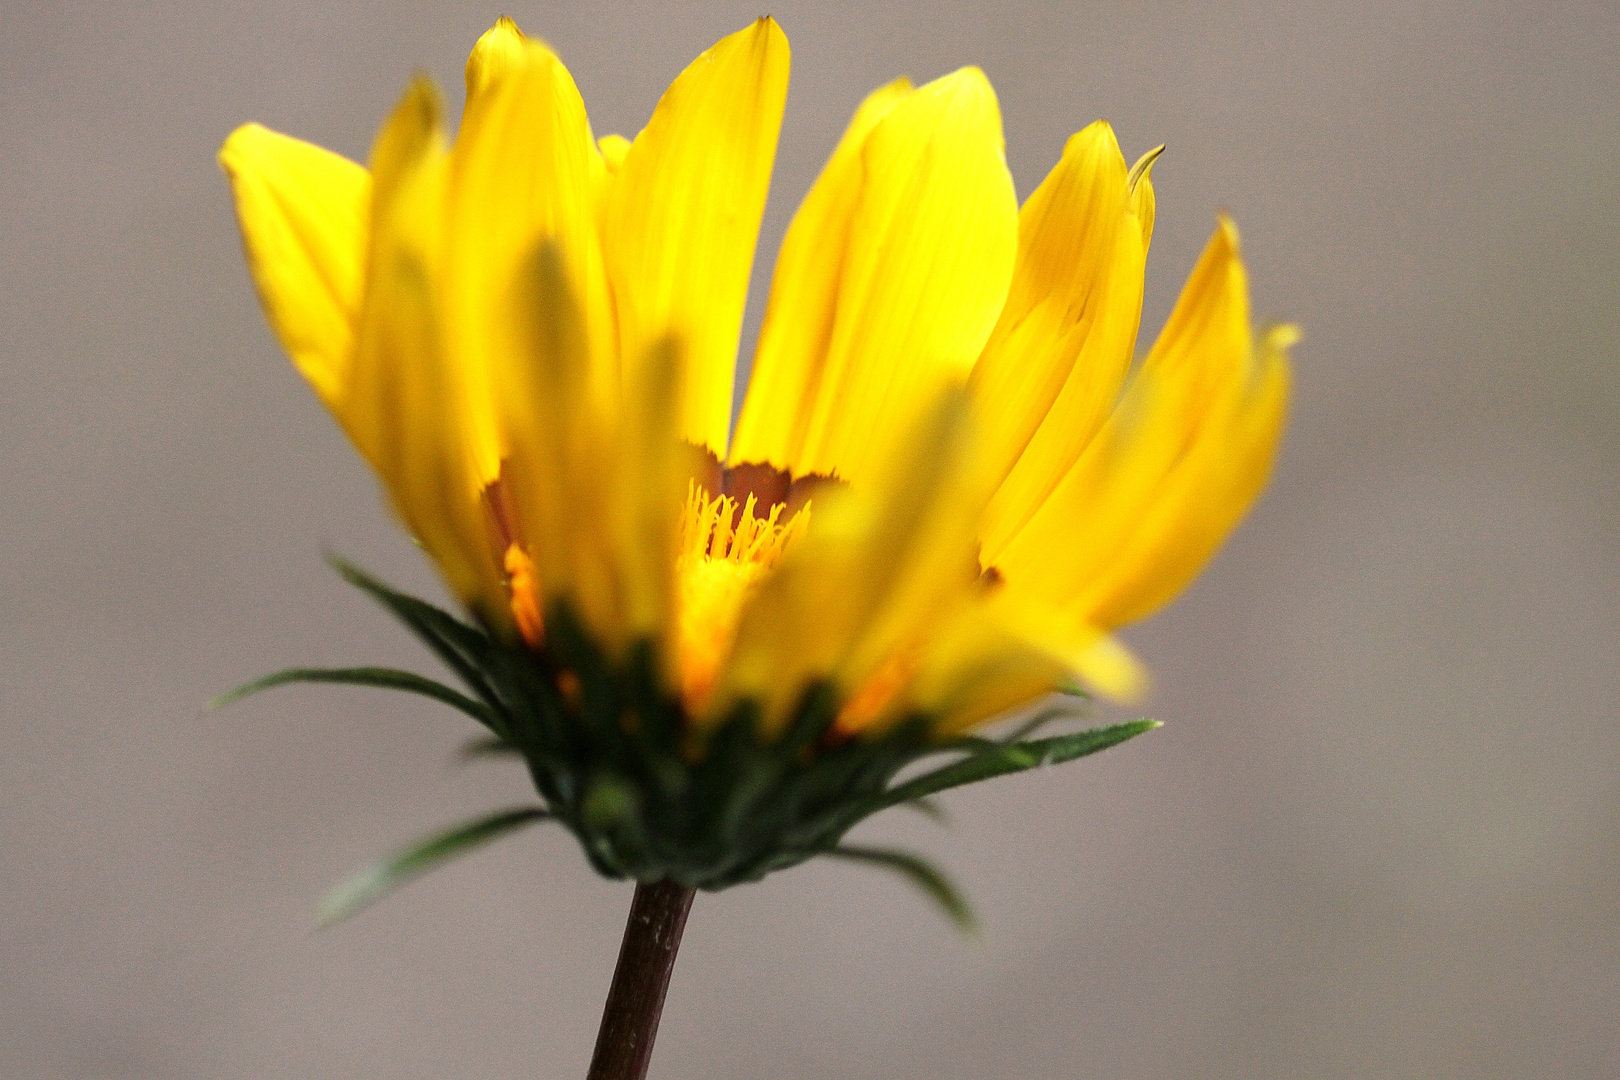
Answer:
[(385, 678), (464, 649), (382, 877), (1074, 688), (930, 809), (1001, 759), (922, 874), (649, 795), (487, 746), (1041, 717)]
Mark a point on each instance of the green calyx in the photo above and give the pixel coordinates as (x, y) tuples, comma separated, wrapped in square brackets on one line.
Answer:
[(614, 762)]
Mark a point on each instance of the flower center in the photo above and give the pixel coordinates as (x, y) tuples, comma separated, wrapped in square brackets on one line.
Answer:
[(724, 550)]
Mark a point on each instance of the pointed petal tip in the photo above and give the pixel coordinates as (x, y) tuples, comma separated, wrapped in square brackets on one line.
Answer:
[(1097, 129), (422, 93), (767, 29), (1143, 166), (968, 79), (237, 142), (499, 49), (965, 94), (504, 34), (1096, 138)]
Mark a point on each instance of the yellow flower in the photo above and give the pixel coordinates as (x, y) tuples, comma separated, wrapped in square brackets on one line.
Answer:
[(941, 496)]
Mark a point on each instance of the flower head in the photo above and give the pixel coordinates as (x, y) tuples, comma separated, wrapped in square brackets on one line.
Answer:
[(942, 493)]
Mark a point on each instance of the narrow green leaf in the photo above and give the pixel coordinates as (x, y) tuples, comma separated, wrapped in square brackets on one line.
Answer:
[(451, 640), (1040, 718), (385, 875), (385, 678), (930, 809), (922, 874), (1000, 760), (1076, 689), (486, 746)]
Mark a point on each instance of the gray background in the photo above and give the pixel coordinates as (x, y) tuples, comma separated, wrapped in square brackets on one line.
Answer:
[(1376, 838)]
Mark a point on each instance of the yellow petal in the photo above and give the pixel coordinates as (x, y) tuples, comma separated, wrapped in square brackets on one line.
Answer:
[(918, 562), (410, 140), (613, 148), (929, 258), (404, 257), (880, 567), (1111, 669), (683, 213), (975, 669), (522, 174), (1172, 471), (1066, 240), (651, 469), (1103, 342), (403, 412), (1141, 184), (1204, 498), (1067, 638), (303, 214), (555, 475), (804, 299), (500, 48)]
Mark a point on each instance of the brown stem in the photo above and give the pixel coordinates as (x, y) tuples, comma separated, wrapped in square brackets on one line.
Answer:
[(636, 999)]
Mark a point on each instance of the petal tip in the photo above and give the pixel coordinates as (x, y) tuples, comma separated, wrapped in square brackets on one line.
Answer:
[(1096, 141), (495, 51), (238, 142), (1096, 130), (768, 32), (965, 94), (1143, 166), (1114, 671), (970, 78), (422, 93)]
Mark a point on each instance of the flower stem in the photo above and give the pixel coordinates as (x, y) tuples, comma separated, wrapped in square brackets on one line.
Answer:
[(652, 935)]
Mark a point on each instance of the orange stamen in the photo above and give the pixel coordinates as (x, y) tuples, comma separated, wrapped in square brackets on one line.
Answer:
[(525, 589)]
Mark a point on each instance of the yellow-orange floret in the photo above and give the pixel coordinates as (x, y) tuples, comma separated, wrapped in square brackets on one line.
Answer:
[(521, 581)]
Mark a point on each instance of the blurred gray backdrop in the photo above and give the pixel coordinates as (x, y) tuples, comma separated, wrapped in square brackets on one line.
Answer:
[(1376, 837)]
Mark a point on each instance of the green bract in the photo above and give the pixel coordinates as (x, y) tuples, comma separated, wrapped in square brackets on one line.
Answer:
[(616, 762)]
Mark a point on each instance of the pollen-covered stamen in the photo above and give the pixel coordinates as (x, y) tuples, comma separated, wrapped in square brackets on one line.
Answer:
[(724, 550)]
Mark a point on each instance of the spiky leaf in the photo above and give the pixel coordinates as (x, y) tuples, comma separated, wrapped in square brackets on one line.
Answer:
[(921, 873), (385, 678), (464, 649), (382, 877), (1000, 759), (488, 746)]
